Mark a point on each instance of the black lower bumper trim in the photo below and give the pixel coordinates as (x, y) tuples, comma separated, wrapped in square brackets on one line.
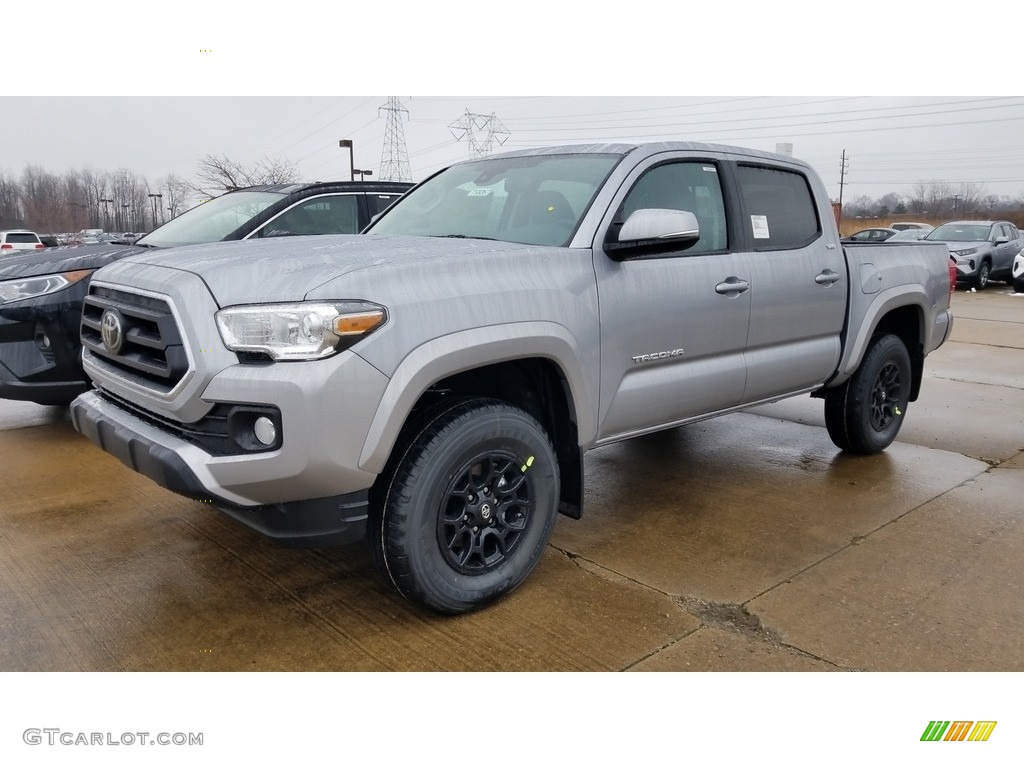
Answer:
[(314, 522)]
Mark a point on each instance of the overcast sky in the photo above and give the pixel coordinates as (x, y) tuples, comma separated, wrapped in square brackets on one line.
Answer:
[(145, 110)]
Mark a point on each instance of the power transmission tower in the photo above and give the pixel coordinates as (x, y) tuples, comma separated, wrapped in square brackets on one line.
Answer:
[(394, 159), (471, 126)]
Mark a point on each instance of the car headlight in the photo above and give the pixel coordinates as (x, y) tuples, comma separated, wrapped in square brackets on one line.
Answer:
[(966, 252), (301, 331), (40, 285)]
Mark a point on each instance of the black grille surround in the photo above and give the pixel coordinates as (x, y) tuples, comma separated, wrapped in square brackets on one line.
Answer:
[(151, 351)]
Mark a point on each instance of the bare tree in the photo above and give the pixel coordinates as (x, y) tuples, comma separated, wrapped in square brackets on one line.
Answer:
[(918, 198), (216, 175), (938, 198), (40, 193), (10, 210), (178, 195), (970, 197)]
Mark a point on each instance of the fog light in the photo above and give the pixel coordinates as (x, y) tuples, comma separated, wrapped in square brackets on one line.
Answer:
[(265, 430)]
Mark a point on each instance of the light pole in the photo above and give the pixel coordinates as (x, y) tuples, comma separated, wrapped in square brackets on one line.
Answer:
[(154, 200), (106, 210), (124, 222), (346, 143)]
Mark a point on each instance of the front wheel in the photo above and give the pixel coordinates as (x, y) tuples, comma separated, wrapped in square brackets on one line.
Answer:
[(981, 279), (468, 507), (865, 414)]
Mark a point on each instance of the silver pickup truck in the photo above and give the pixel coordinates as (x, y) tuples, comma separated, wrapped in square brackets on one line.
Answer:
[(433, 383)]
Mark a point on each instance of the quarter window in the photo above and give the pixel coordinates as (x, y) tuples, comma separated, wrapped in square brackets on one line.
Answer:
[(779, 209)]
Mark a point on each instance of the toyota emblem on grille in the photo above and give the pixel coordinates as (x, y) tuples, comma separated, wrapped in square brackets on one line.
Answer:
[(110, 330)]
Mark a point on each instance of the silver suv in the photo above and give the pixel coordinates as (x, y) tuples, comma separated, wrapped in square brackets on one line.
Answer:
[(983, 249), (12, 240)]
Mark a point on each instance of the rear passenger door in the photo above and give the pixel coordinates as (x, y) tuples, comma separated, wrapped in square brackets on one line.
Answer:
[(798, 282), (673, 324)]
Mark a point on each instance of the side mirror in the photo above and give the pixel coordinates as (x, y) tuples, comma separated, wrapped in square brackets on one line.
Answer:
[(654, 230), (1001, 239)]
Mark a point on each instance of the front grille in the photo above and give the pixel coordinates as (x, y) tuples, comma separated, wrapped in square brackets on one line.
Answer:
[(151, 349)]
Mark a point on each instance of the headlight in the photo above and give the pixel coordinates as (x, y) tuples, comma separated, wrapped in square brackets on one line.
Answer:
[(29, 287), (966, 251), (303, 331)]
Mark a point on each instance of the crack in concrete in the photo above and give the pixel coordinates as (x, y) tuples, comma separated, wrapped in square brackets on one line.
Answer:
[(729, 617)]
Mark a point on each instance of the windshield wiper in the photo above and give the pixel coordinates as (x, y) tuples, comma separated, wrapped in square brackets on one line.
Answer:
[(467, 237)]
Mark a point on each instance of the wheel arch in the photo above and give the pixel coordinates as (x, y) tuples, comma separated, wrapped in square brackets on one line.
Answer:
[(901, 314), (547, 383)]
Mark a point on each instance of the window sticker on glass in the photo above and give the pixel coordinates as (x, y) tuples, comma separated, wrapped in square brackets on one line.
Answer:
[(709, 168), (479, 192), (760, 226)]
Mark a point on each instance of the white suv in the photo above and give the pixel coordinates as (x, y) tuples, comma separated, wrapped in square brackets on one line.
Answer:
[(19, 240)]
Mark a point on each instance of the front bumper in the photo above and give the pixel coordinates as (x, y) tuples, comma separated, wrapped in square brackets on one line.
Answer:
[(40, 354), (181, 467)]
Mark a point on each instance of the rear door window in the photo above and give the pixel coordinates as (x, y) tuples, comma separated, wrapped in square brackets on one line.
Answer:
[(779, 208)]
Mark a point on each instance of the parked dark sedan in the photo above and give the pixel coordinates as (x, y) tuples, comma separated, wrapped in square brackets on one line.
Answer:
[(41, 294), (873, 235)]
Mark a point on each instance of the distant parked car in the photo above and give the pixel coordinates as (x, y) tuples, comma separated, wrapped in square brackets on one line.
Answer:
[(14, 240), (984, 250), (873, 235), (908, 235), (900, 226), (50, 241), (1017, 275), (41, 296)]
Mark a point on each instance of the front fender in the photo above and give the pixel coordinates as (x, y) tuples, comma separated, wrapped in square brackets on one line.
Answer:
[(445, 356)]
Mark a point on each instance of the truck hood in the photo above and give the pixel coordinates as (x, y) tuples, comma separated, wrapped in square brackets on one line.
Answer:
[(67, 258), (292, 268)]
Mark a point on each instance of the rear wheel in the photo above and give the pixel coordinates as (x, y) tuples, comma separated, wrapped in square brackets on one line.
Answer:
[(468, 506), (865, 414)]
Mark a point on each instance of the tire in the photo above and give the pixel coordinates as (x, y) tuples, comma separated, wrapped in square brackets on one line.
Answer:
[(1018, 284), (865, 414), (981, 279), (466, 507)]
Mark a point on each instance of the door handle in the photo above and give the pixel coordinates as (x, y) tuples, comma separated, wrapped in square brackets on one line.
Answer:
[(732, 286), (827, 277)]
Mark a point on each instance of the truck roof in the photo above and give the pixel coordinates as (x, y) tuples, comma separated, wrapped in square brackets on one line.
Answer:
[(650, 148)]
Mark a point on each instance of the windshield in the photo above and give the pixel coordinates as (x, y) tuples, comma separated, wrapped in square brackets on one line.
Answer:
[(960, 233), (538, 200), (211, 221)]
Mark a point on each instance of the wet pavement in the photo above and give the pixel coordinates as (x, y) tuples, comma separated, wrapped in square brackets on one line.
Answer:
[(743, 543)]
